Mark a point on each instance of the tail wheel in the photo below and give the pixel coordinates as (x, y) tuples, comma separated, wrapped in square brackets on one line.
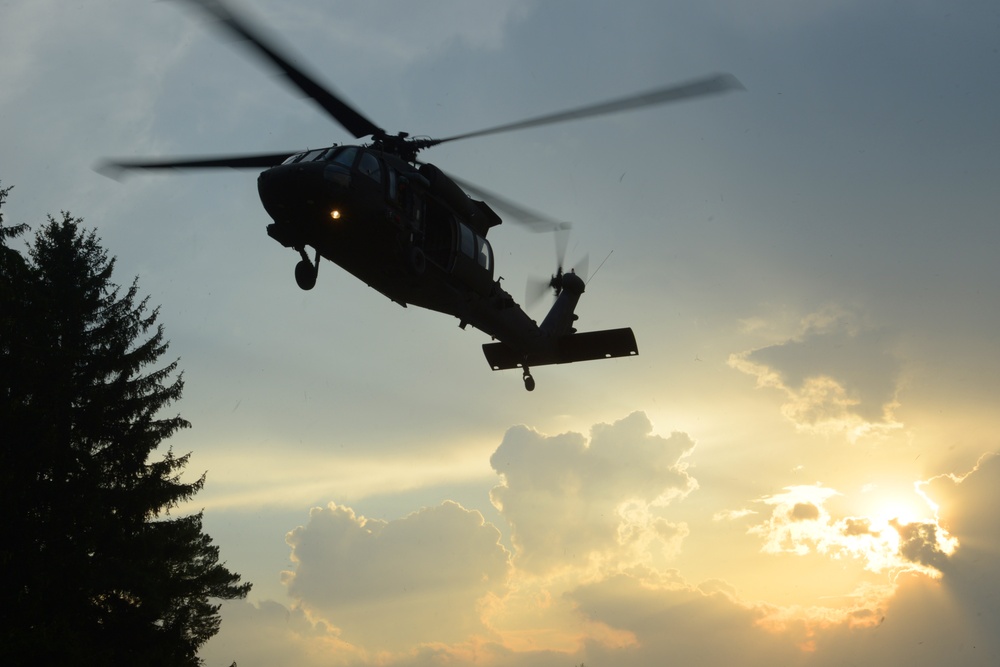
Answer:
[(529, 381)]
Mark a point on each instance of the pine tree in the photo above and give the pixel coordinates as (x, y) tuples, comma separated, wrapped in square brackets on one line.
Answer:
[(97, 570)]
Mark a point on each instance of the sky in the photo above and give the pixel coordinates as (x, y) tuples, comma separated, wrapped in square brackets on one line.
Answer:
[(798, 468)]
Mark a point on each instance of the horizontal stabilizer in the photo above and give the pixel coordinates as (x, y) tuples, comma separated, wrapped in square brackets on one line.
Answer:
[(566, 350)]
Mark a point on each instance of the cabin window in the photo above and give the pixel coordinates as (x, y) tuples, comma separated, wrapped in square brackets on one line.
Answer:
[(392, 183), (370, 167), (475, 247), (467, 241)]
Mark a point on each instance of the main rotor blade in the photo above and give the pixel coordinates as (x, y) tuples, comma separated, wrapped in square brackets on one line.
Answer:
[(533, 220), (350, 118), (717, 83), (115, 168)]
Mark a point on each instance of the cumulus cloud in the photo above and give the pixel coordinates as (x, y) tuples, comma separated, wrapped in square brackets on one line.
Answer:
[(836, 376), (598, 503), (392, 584)]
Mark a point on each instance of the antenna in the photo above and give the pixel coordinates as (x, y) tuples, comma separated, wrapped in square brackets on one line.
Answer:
[(598, 269)]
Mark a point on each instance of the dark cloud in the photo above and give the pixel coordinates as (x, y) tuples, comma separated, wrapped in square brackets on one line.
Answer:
[(967, 504), (854, 526), (804, 512), (969, 508), (860, 363), (835, 376), (920, 543)]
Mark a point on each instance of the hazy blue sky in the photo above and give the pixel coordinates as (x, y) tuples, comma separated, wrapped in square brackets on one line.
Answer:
[(798, 468)]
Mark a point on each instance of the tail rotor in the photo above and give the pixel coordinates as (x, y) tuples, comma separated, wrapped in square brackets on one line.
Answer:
[(537, 287)]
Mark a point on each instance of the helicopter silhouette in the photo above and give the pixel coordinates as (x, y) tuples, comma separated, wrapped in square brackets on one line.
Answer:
[(408, 229)]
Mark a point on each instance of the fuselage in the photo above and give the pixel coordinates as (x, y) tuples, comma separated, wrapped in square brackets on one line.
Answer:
[(412, 234)]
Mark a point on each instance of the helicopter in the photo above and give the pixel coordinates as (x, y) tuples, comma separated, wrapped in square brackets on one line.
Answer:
[(408, 229)]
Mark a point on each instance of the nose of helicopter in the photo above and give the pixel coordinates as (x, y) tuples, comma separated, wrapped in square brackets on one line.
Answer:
[(295, 192)]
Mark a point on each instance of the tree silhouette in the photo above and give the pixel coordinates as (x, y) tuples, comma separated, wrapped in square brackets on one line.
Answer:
[(96, 570)]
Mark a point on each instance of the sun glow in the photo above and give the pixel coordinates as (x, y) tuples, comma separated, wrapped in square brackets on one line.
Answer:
[(887, 533), (886, 506), (899, 512)]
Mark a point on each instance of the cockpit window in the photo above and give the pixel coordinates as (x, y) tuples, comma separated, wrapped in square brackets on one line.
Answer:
[(345, 157), (370, 167), (294, 158), (312, 155), (329, 153)]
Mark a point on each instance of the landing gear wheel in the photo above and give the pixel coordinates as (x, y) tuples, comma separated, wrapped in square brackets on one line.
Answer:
[(529, 382), (306, 271), (305, 274)]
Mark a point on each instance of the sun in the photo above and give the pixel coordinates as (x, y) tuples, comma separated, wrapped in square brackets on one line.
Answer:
[(897, 511), (884, 506)]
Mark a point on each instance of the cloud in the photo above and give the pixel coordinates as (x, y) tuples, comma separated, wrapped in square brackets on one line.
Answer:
[(675, 622), (392, 584), (797, 522), (394, 35), (269, 633), (574, 503), (777, 16), (801, 524), (921, 623), (965, 503), (923, 543), (916, 619), (968, 508), (732, 515), (951, 619), (437, 588), (836, 376)]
